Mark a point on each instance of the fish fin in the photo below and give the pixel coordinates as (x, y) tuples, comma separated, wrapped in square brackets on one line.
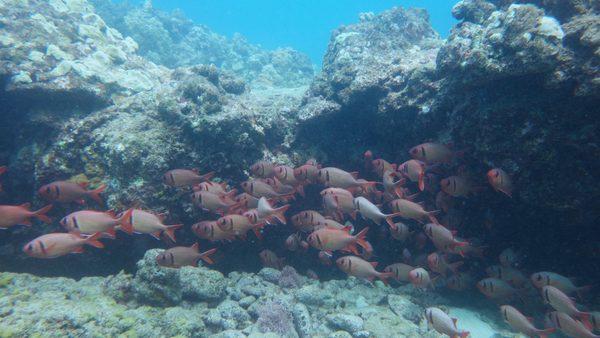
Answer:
[(454, 320), (374, 264), (78, 250), (464, 334), (195, 247), (545, 332), (156, 234), (93, 240), (354, 174), (279, 213), (384, 276), (205, 256), (3, 169), (95, 194), (347, 228), (170, 231), (398, 191), (256, 229), (111, 233), (422, 180), (360, 239), (390, 219), (584, 317), (352, 249), (26, 205), (366, 185), (41, 214), (432, 218), (411, 197), (84, 185), (26, 222), (162, 216), (206, 176), (125, 226)]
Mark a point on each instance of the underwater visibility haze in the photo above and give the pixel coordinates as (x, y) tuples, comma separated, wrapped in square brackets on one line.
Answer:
[(299, 169)]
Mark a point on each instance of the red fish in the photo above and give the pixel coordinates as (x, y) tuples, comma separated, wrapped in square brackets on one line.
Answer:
[(306, 172), (146, 222), (262, 169), (400, 231), (414, 170), (67, 192), (563, 303), (211, 231), (267, 212), (497, 289), (325, 258), (214, 203), (380, 166), (411, 210), (11, 215), (438, 263), (88, 222), (59, 244), (570, 326), (179, 256), (215, 188), (432, 153), (419, 277), (307, 220), (443, 324), (368, 158), (522, 324), (239, 225), (294, 242), (330, 239), (358, 267), (338, 178), (442, 238), (185, 177), (391, 186), (500, 181), (400, 271), (370, 211), (457, 186), (246, 201), (258, 188), (564, 284)]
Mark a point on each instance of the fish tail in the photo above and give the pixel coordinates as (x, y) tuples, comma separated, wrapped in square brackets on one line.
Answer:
[(205, 256), (257, 228), (464, 334), (422, 180), (93, 240), (432, 218), (545, 332), (390, 220), (279, 213), (585, 319), (300, 190), (41, 214), (125, 221), (95, 194), (384, 276), (170, 231), (360, 239)]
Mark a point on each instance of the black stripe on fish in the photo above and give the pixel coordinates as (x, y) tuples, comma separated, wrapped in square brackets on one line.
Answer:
[(547, 279), (431, 317), (43, 248), (454, 185), (557, 321), (423, 152), (172, 258), (349, 265), (491, 287), (505, 315), (319, 240), (327, 176), (547, 296), (172, 178), (75, 224), (57, 191)]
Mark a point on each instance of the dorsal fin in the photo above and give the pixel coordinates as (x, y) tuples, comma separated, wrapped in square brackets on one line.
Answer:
[(84, 185), (530, 319), (374, 264), (195, 170), (195, 247), (454, 320), (354, 174), (26, 205), (347, 228)]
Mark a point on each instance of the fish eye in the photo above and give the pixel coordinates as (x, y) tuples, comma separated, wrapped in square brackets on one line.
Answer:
[(539, 277)]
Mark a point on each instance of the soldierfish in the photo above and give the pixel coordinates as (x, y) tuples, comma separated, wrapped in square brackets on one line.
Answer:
[(307, 220), (442, 238), (330, 239), (267, 212), (496, 289), (358, 267), (294, 242), (67, 192), (507, 274), (522, 324), (211, 231), (185, 177), (460, 281), (419, 277), (88, 222), (11, 215), (239, 225), (432, 153), (263, 169), (306, 172), (414, 170), (179, 256), (392, 186), (563, 303), (325, 258), (59, 244), (500, 181), (411, 210), (219, 204), (370, 211), (145, 222), (438, 263), (564, 284), (400, 271), (380, 166), (570, 326), (270, 260), (258, 188), (457, 186), (338, 178), (509, 257), (285, 175), (443, 324), (400, 231), (247, 201), (214, 187)]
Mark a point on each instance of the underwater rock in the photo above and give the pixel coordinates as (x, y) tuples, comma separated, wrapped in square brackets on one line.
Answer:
[(346, 322), (172, 40)]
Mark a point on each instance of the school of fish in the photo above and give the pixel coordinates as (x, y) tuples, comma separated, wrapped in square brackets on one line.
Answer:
[(411, 203)]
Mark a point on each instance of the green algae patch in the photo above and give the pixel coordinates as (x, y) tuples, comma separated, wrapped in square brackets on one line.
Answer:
[(5, 280)]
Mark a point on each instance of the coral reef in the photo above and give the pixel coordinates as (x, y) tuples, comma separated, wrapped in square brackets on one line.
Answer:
[(199, 302), (172, 40)]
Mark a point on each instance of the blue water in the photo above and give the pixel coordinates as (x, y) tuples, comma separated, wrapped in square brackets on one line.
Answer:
[(303, 25)]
